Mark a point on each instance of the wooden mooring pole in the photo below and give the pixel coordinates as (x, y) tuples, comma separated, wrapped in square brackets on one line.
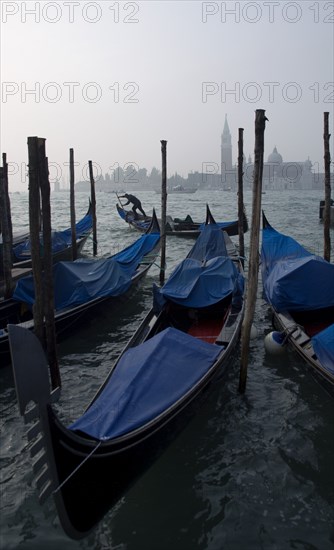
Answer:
[(72, 207), (7, 199), (260, 124), (241, 195), (50, 330), (163, 210), (43, 308), (92, 194), (6, 227), (326, 214), (34, 223)]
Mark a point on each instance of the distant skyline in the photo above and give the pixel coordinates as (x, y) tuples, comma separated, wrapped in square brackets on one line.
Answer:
[(111, 79)]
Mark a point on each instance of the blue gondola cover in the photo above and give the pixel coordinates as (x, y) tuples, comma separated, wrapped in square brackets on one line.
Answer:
[(205, 277), (194, 284), (209, 244), (60, 239), (293, 278), (323, 345), (148, 379), (83, 280)]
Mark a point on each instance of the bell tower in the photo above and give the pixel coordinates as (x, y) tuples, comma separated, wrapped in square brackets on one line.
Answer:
[(226, 152)]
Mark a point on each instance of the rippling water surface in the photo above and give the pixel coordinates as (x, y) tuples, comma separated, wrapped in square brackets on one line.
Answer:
[(249, 472)]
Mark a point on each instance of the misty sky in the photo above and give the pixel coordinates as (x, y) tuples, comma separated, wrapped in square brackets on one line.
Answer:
[(111, 79)]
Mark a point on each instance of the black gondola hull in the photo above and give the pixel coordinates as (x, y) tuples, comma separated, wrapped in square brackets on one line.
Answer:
[(301, 318), (89, 474), (302, 344), (115, 466), (182, 229)]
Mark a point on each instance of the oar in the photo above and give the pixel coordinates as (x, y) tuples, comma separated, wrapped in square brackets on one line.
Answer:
[(119, 200), (125, 211)]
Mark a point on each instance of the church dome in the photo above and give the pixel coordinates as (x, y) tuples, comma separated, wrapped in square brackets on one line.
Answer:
[(275, 157)]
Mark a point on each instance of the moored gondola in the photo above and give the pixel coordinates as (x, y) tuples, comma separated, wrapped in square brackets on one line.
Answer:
[(61, 242), (299, 288), (160, 379)]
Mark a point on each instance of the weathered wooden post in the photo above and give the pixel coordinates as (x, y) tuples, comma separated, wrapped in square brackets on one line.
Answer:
[(43, 307), (241, 195), (326, 214), (5, 168), (260, 124), (72, 207), (92, 194), (163, 210), (6, 226), (50, 330), (35, 206)]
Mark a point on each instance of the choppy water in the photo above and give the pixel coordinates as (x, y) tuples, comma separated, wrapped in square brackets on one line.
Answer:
[(249, 472)]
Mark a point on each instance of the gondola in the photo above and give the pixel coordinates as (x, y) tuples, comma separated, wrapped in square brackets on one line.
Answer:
[(82, 286), (61, 242), (180, 227), (159, 381), (299, 287)]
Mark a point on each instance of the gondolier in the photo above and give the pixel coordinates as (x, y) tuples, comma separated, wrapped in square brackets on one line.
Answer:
[(136, 204)]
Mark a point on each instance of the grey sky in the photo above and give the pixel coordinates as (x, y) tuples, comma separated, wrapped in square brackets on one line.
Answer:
[(111, 79)]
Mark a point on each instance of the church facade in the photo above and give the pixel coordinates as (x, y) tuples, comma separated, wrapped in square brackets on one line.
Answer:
[(278, 174)]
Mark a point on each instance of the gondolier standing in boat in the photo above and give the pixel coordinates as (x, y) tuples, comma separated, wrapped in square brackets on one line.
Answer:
[(136, 204)]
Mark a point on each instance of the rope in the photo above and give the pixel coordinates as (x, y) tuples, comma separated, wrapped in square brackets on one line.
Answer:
[(77, 468), (161, 268)]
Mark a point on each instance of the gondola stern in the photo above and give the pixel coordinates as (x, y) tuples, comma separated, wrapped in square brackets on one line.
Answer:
[(209, 217), (265, 223), (90, 208), (154, 226)]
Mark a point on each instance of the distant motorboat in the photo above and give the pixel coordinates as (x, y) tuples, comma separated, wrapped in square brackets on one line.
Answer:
[(178, 189)]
